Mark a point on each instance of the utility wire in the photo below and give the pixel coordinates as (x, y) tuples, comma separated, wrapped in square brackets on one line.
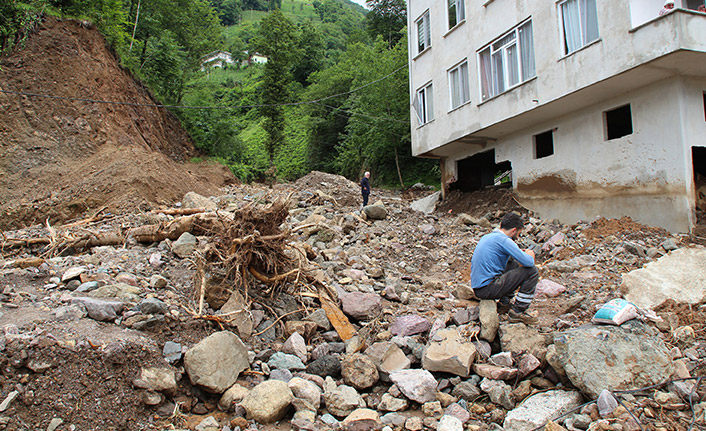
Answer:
[(148, 105)]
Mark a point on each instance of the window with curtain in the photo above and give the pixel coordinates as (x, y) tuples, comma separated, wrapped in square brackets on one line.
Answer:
[(424, 104), (458, 85), (579, 21), (457, 12), (507, 62), (423, 32)]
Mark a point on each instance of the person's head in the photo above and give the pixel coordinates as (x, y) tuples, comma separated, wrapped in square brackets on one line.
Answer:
[(367, 174), (512, 224), (669, 4)]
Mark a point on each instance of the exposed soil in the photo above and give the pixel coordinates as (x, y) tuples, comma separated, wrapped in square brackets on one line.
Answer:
[(60, 159)]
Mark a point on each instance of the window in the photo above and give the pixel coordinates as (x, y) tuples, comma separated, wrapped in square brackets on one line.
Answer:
[(704, 105), (423, 33), (580, 23), (424, 104), (458, 85), (457, 12), (544, 144), (507, 62), (618, 122)]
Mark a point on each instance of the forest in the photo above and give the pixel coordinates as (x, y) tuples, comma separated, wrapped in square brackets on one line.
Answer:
[(332, 94)]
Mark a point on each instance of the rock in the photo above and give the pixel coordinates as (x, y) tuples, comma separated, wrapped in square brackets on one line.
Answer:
[(171, 352), (414, 423), (498, 392), (549, 288), (362, 420), (410, 324), (458, 411), (127, 278), (448, 352), (156, 379), (54, 424), (153, 306), (676, 276), (216, 361), (376, 211), (8, 400), (528, 363), (152, 398), (536, 410), (361, 306), (449, 423), (625, 357), (489, 320), (669, 244), (426, 205), (285, 361), (119, 291), (494, 372), (73, 273), (319, 317), (483, 349), (465, 315), (342, 400), (388, 403), (195, 200), (518, 337), (306, 390), (268, 401), (281, 374), (208, 424), (432, 409), (185, 245), (239, 314), (359, 371), (99, 309), (388, 357), (417, 385), (466, 391), (87, 286), (234, 394), (327, 365), (295, 345), (502, 359)]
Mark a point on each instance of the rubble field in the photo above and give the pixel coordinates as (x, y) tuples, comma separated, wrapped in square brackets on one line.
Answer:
[(291, 308)]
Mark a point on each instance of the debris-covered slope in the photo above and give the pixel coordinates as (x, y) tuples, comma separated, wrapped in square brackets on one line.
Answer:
[(61, 158)]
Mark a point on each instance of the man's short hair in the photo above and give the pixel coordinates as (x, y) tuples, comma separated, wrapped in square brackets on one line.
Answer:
[(512, 220)]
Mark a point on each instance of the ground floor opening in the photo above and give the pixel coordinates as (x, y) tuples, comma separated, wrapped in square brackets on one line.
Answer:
[(480, 171)]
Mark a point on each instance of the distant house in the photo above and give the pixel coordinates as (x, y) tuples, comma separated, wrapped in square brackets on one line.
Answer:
[(216, 59), (255, 58)]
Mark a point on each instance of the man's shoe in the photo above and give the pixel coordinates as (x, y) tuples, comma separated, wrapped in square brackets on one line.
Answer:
[(522, 317), (503, 308)]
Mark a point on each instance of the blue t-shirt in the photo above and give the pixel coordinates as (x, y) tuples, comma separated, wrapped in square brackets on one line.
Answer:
[(491, 255)]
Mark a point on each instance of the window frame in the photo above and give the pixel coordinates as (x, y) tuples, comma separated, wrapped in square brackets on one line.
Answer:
[(427, 92), (459, 13), (424, 20), (562, 27), (538, 155), (491, 49), (610, 112), (458, 66)]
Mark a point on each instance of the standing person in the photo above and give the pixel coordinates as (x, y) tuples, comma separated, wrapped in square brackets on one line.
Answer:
[(365, 187), (499, 267), (668, 5)]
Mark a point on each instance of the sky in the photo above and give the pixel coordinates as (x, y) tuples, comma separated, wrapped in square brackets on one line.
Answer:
[(360, 2)]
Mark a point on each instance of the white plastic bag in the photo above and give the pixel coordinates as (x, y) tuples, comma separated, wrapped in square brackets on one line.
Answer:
[(615, 312)]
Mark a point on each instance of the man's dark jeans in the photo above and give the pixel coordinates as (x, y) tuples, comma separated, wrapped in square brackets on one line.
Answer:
[(365, 198), (504, 285)]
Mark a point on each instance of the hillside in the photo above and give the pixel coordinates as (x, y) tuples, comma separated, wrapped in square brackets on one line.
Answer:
[(61, 159)]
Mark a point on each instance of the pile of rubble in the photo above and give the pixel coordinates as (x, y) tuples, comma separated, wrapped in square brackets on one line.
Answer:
[(356, 319)]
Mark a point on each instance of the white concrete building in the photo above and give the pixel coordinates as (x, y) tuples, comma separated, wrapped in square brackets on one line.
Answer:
[(216, 59), (598, 107)]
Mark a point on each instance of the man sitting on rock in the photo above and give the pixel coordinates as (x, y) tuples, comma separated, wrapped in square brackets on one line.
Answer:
[(499, 267)]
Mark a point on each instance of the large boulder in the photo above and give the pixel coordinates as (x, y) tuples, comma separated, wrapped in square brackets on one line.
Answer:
[(679, 276), (538, 409), (376, 211), (427, 205), (268, 402), (99, 309), (518, 337), (624, 357), (216, 361), (449, 352)]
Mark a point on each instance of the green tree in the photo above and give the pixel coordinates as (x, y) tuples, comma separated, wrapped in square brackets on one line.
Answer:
[(387, 18), (277, 39), (164, 70), (311, 53), (229, 11)]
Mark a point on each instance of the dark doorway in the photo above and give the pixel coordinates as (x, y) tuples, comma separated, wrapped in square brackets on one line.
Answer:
[(480, 171), (698, 157)]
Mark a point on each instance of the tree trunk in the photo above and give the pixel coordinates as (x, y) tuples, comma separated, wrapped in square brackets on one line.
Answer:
[(144, 50), (134, 29), (399, 173)]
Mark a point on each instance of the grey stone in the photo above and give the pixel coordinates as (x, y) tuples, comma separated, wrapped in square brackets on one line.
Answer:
[(499, 392), (295, 345), (158, 282), (87, 286), (216, 361), (306, 390), (54, 424), (99, 309), (536, 410), (327, 365), (342, 400), (466, 391), (388, 357), (393, 419), (678, 276), (195, 200), (448, 352), (281, 374), (669, 244), (427, 204), (361, 306), (268, 401), (483, 349), (359, 371), (388, 403), (458, 411), (234, 394), (286, 361), (319, 317), (625, 357), (117, 291), (153, 306), (185, 245), (70, 312), (172, 352), (449, 423), (156, 379), (465, 315), (376, 211), (8, 400), (518, 337), (72, 273), (417, 385), (409, 324), (489, 320)]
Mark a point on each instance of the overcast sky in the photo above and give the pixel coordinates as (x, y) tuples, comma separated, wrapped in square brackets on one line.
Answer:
[(360, 2)]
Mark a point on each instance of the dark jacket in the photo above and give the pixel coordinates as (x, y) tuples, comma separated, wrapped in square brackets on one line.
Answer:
[(365, 186)]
